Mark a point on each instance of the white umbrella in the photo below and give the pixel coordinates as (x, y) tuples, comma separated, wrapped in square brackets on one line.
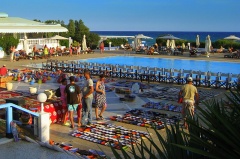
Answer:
[(141, 36), (168, 44), (169, 37), (137, 39), (84, 43), (183, 46), (25, 45), (172, 44), (232, 37), (57, 37), (70, 41), (208, 44), (197, 41)]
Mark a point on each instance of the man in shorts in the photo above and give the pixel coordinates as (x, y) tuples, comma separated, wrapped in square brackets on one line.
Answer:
[(87, 99), (190, 94), (73, 95)]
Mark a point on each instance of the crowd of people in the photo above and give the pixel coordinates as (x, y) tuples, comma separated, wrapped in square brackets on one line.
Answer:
[(76, 99), (47, 52)]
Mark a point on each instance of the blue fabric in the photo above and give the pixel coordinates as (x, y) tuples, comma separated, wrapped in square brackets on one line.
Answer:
[(72, 107), (87, 110)]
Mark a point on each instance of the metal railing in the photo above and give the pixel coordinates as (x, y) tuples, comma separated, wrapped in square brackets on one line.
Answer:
[(9, 115)]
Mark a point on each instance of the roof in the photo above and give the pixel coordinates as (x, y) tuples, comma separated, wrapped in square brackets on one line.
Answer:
[(20, 25)]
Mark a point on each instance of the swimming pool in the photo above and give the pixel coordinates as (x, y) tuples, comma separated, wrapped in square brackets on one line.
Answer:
[(212, 66)]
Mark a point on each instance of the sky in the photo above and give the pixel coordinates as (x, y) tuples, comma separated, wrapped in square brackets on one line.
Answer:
[(133, 15)]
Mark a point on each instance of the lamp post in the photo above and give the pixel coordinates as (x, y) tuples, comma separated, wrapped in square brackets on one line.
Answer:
[(43, 120), (42, 97)]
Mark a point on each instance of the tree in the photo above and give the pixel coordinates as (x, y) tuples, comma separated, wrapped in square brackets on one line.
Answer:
[(71, 28), (83, 30), (7, 41), (92, 40)]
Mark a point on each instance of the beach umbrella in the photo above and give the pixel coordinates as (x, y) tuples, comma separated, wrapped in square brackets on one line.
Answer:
[(232, 37), (57, 37), (70, 41), (137, 39), (141, 36), (208, 44), (183, 46), (25, 45), (169, 37), (197, 41), (172, 44), (84, 43), (168, 43)]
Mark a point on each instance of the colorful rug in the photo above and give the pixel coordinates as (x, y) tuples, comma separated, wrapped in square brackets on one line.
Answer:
[(106, 134), (163, 106), (148, 119)]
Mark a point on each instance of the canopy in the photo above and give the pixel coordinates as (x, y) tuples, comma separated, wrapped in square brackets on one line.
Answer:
[(232, 37), (137, 39), (141, 36), (57, 37), (169, 37), (20, 25)]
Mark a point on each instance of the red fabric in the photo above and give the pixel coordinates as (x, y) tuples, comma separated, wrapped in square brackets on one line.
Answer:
[(3, 71)]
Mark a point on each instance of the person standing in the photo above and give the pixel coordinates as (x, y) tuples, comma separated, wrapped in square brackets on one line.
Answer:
[(12, 51), (78, 50), (63, 100), (101, 47), (73, 94), (190, 97), (87, 99), (45, 51), (100, 97), (3, 70), (70, 50)]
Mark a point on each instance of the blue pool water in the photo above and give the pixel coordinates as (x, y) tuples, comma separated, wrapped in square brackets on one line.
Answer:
[(212, 66)]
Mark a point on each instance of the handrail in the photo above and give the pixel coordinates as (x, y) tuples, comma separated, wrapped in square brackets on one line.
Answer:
[(18, 107), (9, 116)]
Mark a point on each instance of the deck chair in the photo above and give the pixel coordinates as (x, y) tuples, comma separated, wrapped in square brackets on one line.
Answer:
[(144, 74), (180, 76), (153, 75), (229, 83), (116, 71), (170, 77), (162, 75), (130, 72)]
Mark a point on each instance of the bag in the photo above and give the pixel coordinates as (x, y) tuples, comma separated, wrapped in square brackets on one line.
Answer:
[(58, 92), (180, 99)]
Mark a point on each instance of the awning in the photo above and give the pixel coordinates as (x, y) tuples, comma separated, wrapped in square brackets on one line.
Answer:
[(20, 25), (32, 29)]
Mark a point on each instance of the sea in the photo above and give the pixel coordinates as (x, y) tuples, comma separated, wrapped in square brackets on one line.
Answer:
[(190, 36)]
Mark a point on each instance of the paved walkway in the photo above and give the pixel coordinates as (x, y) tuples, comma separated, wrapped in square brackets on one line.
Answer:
[(60, 133), (27, 150)]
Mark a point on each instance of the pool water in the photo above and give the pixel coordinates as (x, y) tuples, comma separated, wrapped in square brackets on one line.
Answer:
[(212, 66)]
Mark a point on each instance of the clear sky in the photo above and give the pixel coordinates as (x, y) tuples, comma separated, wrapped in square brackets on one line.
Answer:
[(133, 15)]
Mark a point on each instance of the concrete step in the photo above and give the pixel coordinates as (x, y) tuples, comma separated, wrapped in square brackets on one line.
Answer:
[(5, 140)]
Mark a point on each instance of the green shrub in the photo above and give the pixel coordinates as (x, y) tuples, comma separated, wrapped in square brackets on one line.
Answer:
[(7, 41)]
